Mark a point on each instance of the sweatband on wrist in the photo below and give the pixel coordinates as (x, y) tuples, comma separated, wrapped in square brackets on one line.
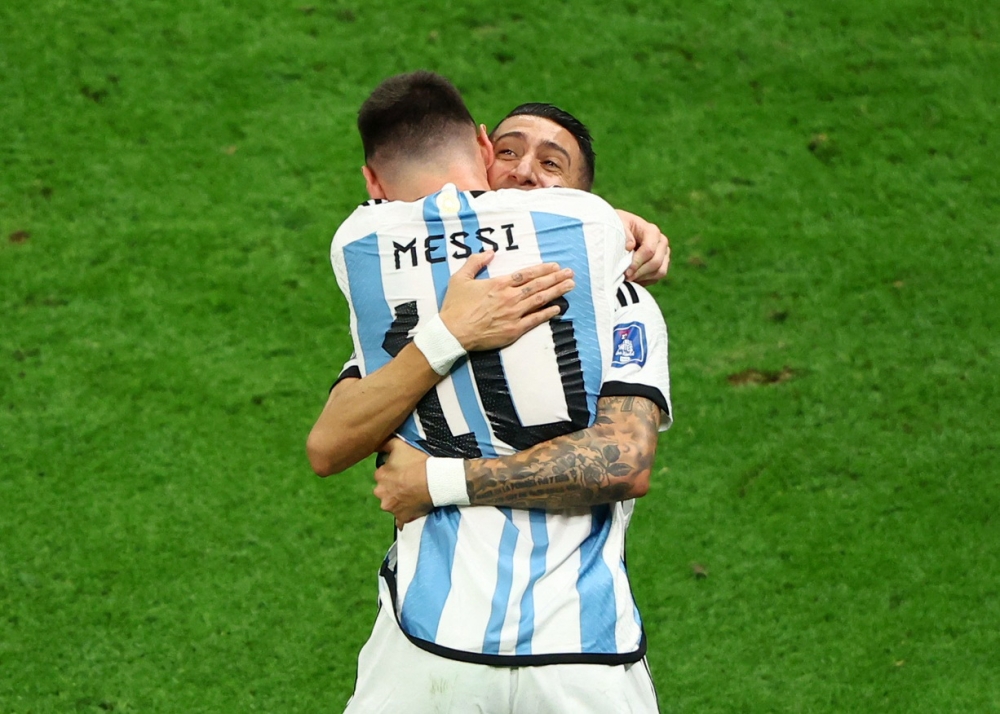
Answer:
[(439, 346), (446, 482)]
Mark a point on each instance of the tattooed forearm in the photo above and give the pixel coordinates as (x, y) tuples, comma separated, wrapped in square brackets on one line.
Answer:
[(609, 461)]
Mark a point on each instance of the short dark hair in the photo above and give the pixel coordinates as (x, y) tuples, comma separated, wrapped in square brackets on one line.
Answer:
[(411, 115), (568, 122)]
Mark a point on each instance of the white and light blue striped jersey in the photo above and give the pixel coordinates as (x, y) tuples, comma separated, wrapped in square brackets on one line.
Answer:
[(639, 365), (499, 585), (393, 261)]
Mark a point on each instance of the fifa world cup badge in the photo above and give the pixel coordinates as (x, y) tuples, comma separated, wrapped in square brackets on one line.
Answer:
[(629, 345)]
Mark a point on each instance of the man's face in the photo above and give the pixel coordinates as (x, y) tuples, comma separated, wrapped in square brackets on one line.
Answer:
[(532, 152)]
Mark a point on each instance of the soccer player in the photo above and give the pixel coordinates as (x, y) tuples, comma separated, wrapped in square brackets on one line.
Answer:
[(538, 146), (535, 146), (474, 587)]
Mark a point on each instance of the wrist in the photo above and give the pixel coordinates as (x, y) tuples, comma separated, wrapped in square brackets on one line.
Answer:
[(439, 346), (446, 482), (455, 326)]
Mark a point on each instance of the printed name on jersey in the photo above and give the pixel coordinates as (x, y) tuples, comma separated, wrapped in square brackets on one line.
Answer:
[(629, 345), (434, 248)]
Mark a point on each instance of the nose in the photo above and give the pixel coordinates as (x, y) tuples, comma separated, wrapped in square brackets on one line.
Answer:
[(523, 173)]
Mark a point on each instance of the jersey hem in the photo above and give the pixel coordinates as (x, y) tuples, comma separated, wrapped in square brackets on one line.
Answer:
[(608, 658)]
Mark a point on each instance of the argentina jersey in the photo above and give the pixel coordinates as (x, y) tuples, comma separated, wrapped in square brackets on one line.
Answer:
[(393, 261), (484, 584)]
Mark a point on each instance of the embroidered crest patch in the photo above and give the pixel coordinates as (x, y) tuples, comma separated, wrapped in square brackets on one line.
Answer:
[(629, 345)]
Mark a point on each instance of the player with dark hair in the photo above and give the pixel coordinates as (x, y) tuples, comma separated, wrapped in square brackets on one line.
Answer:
[(533, 111), (537, 146), (540, 145), (474, 597), (427, 115)]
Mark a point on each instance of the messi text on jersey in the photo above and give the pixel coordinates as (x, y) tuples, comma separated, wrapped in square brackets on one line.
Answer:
[(434, 249)]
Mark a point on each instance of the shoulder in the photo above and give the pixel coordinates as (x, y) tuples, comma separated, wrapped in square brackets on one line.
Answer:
[(562, 199), (636, 302), (354, 225), (578, 205), (370, 217), (634, 294)]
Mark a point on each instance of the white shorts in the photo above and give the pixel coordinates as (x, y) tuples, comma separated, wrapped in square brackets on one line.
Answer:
[(395, 676)]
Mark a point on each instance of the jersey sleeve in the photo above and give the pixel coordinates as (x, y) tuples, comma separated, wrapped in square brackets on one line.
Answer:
[(639, 355), (350, 370)]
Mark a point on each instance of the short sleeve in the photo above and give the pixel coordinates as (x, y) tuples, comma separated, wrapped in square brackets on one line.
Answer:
[(350, 370), (639, 365)]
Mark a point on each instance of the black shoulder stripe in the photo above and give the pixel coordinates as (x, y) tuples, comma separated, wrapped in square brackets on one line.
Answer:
[(632, 292), (627, 295)]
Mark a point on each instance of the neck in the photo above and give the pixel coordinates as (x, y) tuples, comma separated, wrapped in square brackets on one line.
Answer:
[(425, 182)]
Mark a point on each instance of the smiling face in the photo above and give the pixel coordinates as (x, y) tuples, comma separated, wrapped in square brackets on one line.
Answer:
[(533, 152)]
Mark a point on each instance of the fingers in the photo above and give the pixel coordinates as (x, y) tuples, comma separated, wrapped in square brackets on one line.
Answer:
[(526, 275), (485, 314), (389, 445), (640, 259), (629, 223), (539, 317), (545, 291), (552, 284), (656, 267), (649, 259), (539, 308), (386, 501), (475, 264), (531, 305)]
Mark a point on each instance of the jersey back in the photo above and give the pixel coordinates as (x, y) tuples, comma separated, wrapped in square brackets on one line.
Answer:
[(393, 260), (499, 585)]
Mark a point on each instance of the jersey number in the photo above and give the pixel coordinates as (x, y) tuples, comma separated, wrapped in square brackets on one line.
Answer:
[(494, 393)]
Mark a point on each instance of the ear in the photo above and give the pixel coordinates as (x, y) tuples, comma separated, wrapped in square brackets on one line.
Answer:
[(485, 146), (372, 183)]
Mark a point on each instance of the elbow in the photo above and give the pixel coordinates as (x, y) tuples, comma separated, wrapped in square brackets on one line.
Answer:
[(322, 457), (321, 466), (639, 485), (637, 476), (630, 461), (643, 456)]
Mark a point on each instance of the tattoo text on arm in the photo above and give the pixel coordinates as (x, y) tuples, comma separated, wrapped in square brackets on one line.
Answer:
[(600, 464)]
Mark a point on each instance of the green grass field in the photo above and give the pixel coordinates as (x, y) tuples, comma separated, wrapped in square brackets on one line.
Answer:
[(171, 174)]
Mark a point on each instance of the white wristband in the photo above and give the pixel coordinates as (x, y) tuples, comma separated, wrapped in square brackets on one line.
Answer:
[(439, 346), (446, 482)]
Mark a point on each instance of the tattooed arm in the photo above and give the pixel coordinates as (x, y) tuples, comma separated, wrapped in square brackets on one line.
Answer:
[(609, 461)]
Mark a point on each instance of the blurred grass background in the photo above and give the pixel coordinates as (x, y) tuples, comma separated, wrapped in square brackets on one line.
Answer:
[(822, 534)]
